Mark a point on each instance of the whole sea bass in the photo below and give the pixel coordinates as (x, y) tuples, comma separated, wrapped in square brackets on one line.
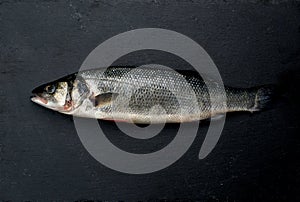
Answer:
[(145, 95)]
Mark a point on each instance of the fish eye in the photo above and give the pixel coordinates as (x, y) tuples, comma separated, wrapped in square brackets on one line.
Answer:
[(50, 89)]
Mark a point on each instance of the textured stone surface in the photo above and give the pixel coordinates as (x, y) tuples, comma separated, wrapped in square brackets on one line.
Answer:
[(252, 43)]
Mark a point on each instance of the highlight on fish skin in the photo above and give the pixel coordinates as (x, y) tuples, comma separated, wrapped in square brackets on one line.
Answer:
[(103, 94)]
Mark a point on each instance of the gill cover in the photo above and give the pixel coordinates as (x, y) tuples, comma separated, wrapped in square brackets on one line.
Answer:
[(79, 91)]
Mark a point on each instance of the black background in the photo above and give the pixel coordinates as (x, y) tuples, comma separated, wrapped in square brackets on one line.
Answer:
[(252, 43)]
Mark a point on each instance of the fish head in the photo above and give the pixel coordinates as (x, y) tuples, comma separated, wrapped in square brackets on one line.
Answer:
[(63, 95), (53, 95)]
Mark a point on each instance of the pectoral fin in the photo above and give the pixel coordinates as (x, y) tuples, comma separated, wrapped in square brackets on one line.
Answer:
[(103, 99)]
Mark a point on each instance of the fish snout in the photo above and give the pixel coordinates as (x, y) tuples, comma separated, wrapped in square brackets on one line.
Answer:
[(37, 98)]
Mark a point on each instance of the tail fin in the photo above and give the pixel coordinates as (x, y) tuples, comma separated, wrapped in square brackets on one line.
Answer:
[(264, 97)]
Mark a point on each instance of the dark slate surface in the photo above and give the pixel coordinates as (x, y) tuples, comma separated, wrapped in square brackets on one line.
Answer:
[(41, 156)]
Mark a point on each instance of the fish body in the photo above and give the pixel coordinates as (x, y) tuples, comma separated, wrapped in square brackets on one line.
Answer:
[(146, 95)]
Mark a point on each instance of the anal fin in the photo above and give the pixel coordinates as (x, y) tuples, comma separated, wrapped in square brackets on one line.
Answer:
[(217, 117)]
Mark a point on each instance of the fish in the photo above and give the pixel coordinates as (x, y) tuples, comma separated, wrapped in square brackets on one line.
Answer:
[(147, 95)]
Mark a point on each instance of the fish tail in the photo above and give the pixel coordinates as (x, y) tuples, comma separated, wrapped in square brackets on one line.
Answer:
[(264, 97)]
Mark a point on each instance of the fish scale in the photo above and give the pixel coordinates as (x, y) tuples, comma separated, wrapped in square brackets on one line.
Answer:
[(151, 95)]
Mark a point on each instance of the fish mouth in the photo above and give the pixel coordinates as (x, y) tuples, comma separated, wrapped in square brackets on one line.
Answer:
[(39, 100)]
